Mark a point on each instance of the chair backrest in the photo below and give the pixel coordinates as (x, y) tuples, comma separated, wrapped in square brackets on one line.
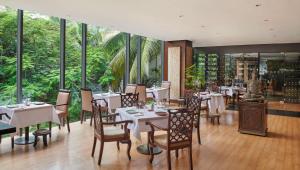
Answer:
[(63, 100), (194, 104), (141, 90), (167, 84), (98, 118), (130, 88), (129, 99), (180, 126), (188, 94), (86, 99)]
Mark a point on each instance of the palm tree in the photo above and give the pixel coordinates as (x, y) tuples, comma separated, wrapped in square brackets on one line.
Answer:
[(114, 44)]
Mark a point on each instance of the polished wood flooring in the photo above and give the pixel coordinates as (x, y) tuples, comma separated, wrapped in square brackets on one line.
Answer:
[(223, 147), (276, 105)]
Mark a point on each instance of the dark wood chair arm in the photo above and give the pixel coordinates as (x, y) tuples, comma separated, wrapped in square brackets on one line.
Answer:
[(118, 122), (60, 105), (153, 126), (111, 115), (151, 92), (4, 114)]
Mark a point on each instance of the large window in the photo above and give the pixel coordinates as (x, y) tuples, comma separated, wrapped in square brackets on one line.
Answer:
[(105, 58), (151, 61), (73, 67), (8, 32), (40, 57)]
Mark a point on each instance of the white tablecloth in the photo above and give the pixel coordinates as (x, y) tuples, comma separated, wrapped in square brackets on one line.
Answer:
[(232, 90), (159, 92), (24, 116), (215, 103), (113, 100), (138, 124)]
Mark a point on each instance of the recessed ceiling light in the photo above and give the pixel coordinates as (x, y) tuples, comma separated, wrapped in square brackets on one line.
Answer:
[(266, 20), (180, 16), (258, 5), (271, 29), (202, 26)]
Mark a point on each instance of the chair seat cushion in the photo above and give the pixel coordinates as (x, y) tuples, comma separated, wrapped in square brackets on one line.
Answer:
[(59, 112), (41, 132), (113, 132), (214, 115), (162, 141)]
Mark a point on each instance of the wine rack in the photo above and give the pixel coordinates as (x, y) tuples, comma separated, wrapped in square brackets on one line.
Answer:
[(292, 87)]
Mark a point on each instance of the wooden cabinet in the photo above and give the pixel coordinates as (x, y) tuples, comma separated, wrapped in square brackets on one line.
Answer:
[(253, 118)]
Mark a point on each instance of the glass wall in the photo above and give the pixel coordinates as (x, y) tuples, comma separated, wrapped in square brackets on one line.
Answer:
[(40, 57), (8, 32), (73, 66), (280, 76), (105, 58), (239, 67), (151, 61)]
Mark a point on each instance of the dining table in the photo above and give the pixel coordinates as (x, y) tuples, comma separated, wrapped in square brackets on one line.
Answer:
[(139, 118), (113, 100), (158, 93), (216, 103), (24, 116)]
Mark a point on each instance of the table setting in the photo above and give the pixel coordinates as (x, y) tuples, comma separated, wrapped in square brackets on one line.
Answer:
[(26, 114)]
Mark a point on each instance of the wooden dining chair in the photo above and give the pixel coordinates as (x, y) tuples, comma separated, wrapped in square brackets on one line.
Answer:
[(224, 92), (61, 108), (86, 104), (129, 99), (111, 133), (178, 134), (130, 88), (194, 104), (141, 90), (167, 85)]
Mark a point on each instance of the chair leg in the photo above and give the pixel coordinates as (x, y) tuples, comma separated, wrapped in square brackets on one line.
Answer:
[(191, 158), (176, 153), (12, 142), (218, 120), (198, 135), (68, 123), (81, 116), (128, 150), (94, 146), (45, 140), (60, 122), (151, 154), (35, 140), (101, 152), (118, 145), (50, 128), (92, 116), (169, 159), (38, 126)]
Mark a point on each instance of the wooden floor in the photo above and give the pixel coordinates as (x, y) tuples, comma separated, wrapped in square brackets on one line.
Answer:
[(276, 105), (223, 148)]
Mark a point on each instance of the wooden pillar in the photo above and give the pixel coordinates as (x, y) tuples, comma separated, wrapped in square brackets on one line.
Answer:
[(186, 60)]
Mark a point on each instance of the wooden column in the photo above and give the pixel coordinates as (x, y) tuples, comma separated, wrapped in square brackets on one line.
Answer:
[(186, 60)]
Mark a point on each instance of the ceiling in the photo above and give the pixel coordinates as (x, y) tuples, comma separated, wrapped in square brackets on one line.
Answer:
[(205, 22)]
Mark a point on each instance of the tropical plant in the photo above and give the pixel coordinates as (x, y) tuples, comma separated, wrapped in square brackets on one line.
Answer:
[(194, 78)]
